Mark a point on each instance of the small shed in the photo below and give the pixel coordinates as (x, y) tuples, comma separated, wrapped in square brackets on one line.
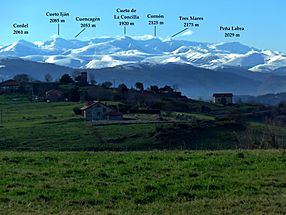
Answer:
[(223, 98)]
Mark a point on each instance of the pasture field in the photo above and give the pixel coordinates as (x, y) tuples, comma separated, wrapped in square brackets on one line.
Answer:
[(158, 182)]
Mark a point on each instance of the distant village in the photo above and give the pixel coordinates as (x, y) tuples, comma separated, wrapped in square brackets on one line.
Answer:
[(137, 99)]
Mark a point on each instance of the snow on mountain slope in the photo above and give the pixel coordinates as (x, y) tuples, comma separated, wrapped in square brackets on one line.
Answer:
[(96, 49), (273, 61), (20, 48), (104, 62), (249, 60), (110, 52), (61, 45), (233, 47), (64, 60)]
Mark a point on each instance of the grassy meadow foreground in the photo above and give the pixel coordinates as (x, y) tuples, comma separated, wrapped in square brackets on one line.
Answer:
[(53, 162), (174, 182)]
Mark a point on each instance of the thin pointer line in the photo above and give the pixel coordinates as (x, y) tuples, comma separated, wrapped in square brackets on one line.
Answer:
[(180, 32), (155, 31), (125, 30), (80, 32), (58, 29)]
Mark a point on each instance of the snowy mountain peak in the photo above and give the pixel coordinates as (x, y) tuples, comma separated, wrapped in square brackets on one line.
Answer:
[(20, 48), (21, 43), (234, 47)]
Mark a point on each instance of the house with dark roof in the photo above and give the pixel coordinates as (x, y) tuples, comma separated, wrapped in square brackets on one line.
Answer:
[(95, 111), (9, 86), (54, 95), (168, 91), (223, 98)]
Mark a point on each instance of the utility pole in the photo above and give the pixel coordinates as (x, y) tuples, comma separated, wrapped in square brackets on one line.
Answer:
[(1, 107), (1, 115), (113, 85)]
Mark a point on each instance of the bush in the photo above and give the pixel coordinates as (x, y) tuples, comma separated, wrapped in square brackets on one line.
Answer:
[(77, 111), (74, 95), (117, 98)]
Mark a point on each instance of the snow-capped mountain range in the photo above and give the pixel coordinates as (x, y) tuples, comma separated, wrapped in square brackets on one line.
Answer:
[(110, 52)]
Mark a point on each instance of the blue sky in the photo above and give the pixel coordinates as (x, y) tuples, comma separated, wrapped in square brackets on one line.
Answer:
[(264, 20)]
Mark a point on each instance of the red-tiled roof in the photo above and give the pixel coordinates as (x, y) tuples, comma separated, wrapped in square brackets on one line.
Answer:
[(114, 113), (9, 83), (91, 104), (54, 93)]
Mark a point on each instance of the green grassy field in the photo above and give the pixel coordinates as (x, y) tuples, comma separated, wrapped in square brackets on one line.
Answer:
[(178, 182), (38, 126)]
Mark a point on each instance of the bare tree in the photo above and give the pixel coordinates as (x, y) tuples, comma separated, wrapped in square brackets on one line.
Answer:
[(22, 78), (75, 74), (106, 84), (259, 138), (176, 87), (48, 77), (139, 86), (92, 78)]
